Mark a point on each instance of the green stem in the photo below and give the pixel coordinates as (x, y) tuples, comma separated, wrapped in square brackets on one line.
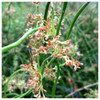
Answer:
[(46, 11), (62, 14), (22, 84), (17, 43), (5, 87), (11, 94), (42, 70), (38, 62), (26, 93), (42, 65), (75, 18), (9, 22), (61, 65), (50, 62), (52, 14), (54, 86)]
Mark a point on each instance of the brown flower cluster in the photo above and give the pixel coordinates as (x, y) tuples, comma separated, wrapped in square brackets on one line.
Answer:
[(46, 42), (33, 81)]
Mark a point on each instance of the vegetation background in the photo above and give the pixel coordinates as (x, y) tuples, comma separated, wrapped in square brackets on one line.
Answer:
[(84, 34)]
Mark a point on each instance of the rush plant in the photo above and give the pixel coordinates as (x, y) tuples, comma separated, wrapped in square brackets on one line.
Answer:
[(43, 34)]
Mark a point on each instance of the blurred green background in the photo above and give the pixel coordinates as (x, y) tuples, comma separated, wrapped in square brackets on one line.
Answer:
[(84, 34)]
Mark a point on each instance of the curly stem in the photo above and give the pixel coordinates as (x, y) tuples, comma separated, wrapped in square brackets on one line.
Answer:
[(18, 42), (5, 87)]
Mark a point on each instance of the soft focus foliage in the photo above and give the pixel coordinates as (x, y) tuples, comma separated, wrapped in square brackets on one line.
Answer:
[(84, 36)]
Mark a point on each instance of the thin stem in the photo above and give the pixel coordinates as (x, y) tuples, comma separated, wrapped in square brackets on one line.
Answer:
[(24, 94), (75, 18), (31, 57), (62, 14), (52, 13), (23, 83), (38, 62), (5, 87), (54, 86), (42, 70), (62, 64), (42, 65), (9, 22), (80, 89), (52, 18), (18, 42), (11, 94), (46, 11), (50, 62)]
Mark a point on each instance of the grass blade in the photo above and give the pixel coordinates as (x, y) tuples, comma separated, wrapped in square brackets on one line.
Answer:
[(18, 42), (46, 11), (5, 87), (24, 94), (62, 14), (54, 86), (75, 18)]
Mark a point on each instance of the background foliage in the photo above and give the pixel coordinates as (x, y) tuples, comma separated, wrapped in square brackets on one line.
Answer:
[(84, 34)]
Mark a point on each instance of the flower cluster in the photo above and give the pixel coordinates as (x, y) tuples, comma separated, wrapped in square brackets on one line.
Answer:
[(50, 73), (15, 84), (33, 80), (46, 42), (55, 47), (50, 25)]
